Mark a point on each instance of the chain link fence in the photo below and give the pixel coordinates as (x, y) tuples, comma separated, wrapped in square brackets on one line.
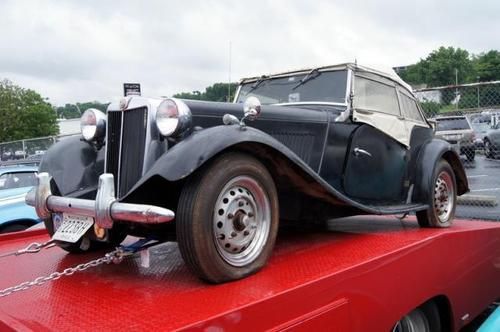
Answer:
[(468, 117), (33, 148)]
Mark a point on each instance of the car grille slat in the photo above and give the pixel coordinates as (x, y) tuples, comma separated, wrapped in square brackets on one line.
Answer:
[(126, 165), (113, 143)]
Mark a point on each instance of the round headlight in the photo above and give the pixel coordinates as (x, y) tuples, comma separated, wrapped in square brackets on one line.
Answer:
[(173, 117), (93, 125)]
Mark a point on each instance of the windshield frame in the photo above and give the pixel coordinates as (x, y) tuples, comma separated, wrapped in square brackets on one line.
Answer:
[(304, 72)]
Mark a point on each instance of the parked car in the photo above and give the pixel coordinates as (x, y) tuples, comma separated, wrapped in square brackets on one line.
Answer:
[(492, 141), (217, 177), (480, 129), (15, 182), (457, 130)]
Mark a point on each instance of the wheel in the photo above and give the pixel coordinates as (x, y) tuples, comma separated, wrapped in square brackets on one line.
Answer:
[(488, 149), (227, 218), (470, 155), (115, 236), (442, 202), (422, 319), (13, 228)]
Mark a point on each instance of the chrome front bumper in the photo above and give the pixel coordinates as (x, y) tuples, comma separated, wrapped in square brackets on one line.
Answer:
[(105, 209)]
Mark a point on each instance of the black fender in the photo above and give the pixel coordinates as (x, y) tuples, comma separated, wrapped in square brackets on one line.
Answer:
[(430, 154), (74, 165), (193, 152)]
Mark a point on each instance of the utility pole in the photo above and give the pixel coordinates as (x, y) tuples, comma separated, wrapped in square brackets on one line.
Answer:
[(456, 88), (478, 104), (229, 80)]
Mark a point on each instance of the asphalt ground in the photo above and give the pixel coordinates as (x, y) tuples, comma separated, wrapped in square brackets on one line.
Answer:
[(484, 183)]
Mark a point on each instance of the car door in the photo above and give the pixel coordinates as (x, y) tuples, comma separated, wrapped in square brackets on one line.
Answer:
[(377, 159)]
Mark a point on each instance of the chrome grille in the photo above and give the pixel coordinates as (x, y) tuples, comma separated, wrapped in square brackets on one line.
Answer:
[(125, 147)]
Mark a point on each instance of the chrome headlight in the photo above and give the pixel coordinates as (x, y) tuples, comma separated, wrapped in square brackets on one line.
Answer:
[(173, 118), (93, 125)]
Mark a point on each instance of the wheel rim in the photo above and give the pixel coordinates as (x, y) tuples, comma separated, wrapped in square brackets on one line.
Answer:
[(241, 221), (444, 197), (416, 321)]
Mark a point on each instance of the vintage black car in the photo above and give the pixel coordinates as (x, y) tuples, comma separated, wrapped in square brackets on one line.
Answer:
[(307, 145)]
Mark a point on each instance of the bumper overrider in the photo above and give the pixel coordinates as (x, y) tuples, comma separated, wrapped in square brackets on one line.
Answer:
[(105, 209)]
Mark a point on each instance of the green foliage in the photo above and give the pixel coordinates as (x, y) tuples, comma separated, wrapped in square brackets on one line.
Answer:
[(24, 114), (216, 92), (487, 66), (438, 68), (71, 111), (430, 108)]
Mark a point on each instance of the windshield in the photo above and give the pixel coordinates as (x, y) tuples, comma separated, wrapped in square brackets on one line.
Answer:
[(452, 124), (321, 87)]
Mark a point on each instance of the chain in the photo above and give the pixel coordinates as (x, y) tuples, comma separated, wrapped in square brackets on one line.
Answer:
[(114, 256)]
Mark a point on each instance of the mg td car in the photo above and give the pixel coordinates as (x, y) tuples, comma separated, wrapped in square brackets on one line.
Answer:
[(302, 146)]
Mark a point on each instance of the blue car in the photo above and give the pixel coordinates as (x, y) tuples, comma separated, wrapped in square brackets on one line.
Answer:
[(15, 182)]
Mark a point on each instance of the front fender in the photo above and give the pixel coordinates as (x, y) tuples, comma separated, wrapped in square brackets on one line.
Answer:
[(429, 156), (191, 153), (74, 165)]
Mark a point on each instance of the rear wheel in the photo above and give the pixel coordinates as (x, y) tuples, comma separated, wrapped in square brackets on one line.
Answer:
[(227, 218), (489, 150), (422, 319), (470, 155), (442, 200)]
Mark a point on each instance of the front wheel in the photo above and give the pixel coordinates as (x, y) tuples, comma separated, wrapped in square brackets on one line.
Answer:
[(442, 200), (227, 218)]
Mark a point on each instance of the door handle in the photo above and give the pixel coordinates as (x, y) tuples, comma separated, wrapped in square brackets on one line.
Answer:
[(357, 151)]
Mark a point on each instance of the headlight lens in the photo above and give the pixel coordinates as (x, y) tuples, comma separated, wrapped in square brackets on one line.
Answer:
[(93, 125), (173, 118)]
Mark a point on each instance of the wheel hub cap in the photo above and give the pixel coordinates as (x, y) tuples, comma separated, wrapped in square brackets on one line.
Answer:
[(241, 223)]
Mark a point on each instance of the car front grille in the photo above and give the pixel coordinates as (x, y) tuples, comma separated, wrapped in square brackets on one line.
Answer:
[(125, 147)]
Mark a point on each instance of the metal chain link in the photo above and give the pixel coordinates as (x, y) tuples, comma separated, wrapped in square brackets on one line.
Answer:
[(114, 256)]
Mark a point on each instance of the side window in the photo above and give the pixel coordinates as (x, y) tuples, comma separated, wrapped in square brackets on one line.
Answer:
[(409, 108), (375, 96)]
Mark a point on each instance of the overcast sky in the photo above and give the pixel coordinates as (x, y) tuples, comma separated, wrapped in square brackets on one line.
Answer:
[(76, 51)]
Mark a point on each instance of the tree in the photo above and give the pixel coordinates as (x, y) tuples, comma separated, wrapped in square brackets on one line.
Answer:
[(439, 67), (487, 66), (71, 111), (24, 114), (215, 92)]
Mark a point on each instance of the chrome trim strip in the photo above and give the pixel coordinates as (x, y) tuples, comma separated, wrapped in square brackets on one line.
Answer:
[(120, 157), (105, 209), (310, 103)]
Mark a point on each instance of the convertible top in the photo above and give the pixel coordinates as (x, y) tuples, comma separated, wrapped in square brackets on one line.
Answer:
[(349, 65)]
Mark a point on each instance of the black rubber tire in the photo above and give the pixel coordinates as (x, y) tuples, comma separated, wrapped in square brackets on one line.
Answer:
[(115, 236), (194, 226), (489, 149), (428, 218), (470, 155), (13, 228), (426, 317)]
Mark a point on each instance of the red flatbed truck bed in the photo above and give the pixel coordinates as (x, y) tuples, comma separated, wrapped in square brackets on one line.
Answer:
[(363, 274)]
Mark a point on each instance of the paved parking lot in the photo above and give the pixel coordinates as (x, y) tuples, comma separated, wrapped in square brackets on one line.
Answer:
[(484, 180)]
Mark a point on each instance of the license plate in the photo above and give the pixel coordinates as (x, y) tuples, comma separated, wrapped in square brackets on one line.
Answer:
[(73, 227)]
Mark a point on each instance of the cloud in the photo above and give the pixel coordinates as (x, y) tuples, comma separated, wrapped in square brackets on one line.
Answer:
[(77, 51)]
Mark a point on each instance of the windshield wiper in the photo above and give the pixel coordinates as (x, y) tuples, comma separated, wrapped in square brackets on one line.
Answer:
[(310, 76), (257, 83)]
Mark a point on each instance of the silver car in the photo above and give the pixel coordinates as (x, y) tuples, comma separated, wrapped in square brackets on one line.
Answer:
[(492, 141), (457, 130)]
